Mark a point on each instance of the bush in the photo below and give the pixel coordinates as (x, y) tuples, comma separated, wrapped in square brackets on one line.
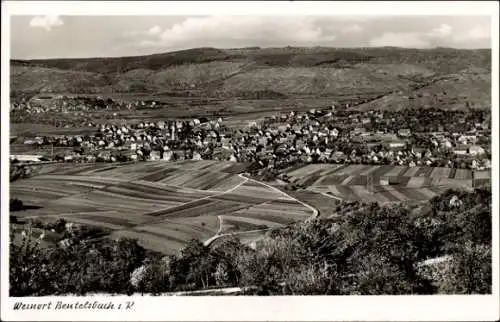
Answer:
[(16, 205), (80, 268), (469, 271)]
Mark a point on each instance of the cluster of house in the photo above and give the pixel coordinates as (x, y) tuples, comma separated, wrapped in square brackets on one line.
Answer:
[(314, 136), (167, 140), (425, 120), (65, 104), (323, 136)]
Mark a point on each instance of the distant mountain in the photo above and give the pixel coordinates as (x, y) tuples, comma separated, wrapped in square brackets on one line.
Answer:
[(249, 72)]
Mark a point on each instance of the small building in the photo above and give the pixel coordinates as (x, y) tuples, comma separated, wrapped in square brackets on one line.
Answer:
[(26, 157), (389, 180), (167, 155), (396, 144), (358, 131), (404, 132), (387, 136), (476, 150), (154, 156), (461, 149)]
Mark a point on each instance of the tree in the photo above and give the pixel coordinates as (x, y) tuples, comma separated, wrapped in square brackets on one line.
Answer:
[(152, 277), (226, 253), (195, 266), (19, 171), (28, 271), (16, 204), (378, 275), (312, 279), (469, 271)]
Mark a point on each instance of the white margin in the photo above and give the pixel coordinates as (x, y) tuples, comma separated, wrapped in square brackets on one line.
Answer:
[(230, 308)]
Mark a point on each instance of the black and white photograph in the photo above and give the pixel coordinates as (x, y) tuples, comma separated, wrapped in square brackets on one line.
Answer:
[(247, 156)]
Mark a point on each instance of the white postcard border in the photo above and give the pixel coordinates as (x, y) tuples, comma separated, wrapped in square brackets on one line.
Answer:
[(292, 308)]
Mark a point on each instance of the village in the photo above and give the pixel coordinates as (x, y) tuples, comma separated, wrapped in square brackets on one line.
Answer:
[(337, 134)]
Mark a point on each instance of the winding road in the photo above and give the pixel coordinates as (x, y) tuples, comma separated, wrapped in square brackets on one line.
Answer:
[(219, 234)]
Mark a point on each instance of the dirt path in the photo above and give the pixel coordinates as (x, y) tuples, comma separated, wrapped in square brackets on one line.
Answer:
[(315, 213), (331, 196)]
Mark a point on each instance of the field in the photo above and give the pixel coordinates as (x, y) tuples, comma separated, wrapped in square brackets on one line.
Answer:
[(389, 183), (162, 204), (325, 204), (31, 130)]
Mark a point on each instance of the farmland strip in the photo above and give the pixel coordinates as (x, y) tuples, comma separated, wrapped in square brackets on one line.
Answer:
[(360, 169), (240, 198), (395, 171), (412, 194), (387, 194), (346, 192), (312, 178), (143, 198), (147, 237), (482, 175), (159, 175), (238, 226), (368, 170), (346, 180), (381, 171), (416, 182), (252, 221), (424, 172), (167, 234), (280, 219), (105, 219), (463, 174), (189, 205), (427, 192), (337, 170), (410, 172), (396, 193), (363, 194), (85, 221)]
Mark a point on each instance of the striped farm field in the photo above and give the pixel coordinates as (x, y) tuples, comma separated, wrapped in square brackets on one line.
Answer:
[(323, 203), (162, 204), (406, 183), (155, 242), (482, 178), (205, 180), (463, 174), (485, 174), (440, 173), (380, 194), (482, 175), (239, 223)]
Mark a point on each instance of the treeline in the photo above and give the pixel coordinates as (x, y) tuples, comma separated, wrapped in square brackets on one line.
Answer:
[(367, 249), (19, 171)]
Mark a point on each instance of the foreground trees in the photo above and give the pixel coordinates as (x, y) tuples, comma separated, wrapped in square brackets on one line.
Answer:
[(78, 268), (367, 249)]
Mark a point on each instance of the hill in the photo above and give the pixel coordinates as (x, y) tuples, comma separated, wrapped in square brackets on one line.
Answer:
[(367, 73)]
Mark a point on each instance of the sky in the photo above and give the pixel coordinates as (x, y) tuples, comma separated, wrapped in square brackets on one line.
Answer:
[(35, 37)]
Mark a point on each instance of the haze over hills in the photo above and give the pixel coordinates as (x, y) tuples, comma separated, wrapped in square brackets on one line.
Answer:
[(386, 77)]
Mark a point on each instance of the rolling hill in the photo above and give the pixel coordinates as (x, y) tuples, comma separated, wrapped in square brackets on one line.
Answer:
[(395, 76)]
